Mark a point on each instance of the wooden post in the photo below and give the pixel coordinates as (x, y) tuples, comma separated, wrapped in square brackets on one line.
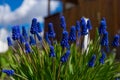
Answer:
[(48, 7)]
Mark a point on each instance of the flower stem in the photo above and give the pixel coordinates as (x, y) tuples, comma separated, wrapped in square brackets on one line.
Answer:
[(13, 49), (21, 49), (20, 76), (36, 43), (53, 66), (59, 69)]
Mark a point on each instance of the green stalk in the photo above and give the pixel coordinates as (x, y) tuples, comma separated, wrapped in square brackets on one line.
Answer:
[(53, 64), (20, 46), (59, 69), (24, 78), (36, 43)]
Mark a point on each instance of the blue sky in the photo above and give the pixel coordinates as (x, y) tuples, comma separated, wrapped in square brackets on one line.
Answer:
[(21, 12), (17, 3)]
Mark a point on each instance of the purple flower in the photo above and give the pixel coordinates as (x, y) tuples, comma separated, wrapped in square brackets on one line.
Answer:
[(103, 26), (8, 72), (102, 58), (65, 57), (39, 37), (116, 40), (39, 28), (9, 41), (15, 32), (83, 27), (92, 61), (51, 33), (47, 38), (22, 40), (27, 48), (62, 22), (24, 33), (32, 41), (77, 26), (89, 25), (52, 52), (64, 43), (33, 26), (104, 41), (72, 36)]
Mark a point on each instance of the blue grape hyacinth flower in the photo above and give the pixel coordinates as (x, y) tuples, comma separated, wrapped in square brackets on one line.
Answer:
[(51, 33), (64, 43), (22, 40), (9, 41), (32, 41), (27, 48), (72, 36), (102, 58), (102, 27), (105, 41), (39, 28), (39, 37), (77, 26), (103, 19), (89, 25), (33, 28), (62, 22), (92, 61), (65, 57), (52, 52), (8, 72), (116, 40), (47, 38), (83, 27), (24, 33), (15, 32)]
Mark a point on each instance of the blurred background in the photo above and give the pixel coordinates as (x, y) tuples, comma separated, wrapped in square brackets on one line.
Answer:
[(21, 12)]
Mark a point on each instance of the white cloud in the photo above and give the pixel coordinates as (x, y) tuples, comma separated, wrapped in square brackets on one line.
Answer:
[(3, 41), (24, 14)]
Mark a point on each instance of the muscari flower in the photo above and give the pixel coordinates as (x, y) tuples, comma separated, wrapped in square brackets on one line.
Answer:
[(24, 33), (9, 41), (83, 27), (8, 72), (77, 26), (33, 28), (115, 42), (104, 41), (102, 27), (64, 43), (47, 38), (39, 28), (65, 57), (32, 41), (91, 63), (39, 37), (102, 58), (27, 48), (72, 36), (89, 25), (15, 32), (52, 52), (22, 40), (51, 33), (103, 19), (62, 22)]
